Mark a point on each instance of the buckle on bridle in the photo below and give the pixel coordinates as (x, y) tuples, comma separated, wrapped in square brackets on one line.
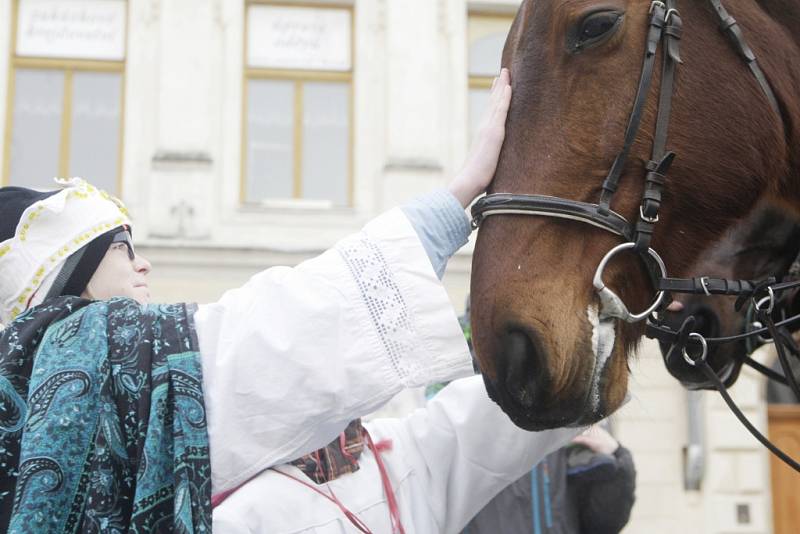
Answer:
[(657, 3), (645, 218), (704, 283), (759, 304), (670, 13)]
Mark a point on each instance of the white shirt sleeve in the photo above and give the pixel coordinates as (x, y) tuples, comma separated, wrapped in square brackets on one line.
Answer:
[(463, 450), (296, 353)]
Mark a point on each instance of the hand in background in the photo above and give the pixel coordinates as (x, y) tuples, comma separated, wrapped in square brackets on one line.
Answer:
[(481, 163), (598, 440)]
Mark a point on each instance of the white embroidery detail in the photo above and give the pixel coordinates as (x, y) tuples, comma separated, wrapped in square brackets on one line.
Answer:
[(385, 303)]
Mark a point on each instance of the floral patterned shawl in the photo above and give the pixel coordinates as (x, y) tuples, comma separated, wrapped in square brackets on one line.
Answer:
[(102, 421)]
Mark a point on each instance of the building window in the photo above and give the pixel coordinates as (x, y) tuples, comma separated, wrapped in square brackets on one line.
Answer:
[(486, 38), (298, 105), (65, 115)]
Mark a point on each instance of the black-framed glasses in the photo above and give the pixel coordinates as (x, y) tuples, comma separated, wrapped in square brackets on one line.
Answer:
[(124, 236)]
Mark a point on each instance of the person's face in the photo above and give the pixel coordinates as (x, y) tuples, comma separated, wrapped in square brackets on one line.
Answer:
[(121, 273)]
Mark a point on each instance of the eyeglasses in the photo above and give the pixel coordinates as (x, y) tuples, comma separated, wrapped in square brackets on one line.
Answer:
[(124, 236)]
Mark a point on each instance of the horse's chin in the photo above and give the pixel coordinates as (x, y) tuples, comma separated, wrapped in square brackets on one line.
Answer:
[(525, 418), (600, 393), (534, 421)]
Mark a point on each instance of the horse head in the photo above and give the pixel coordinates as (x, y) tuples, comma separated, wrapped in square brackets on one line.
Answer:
[(548, 354), (765, 244)]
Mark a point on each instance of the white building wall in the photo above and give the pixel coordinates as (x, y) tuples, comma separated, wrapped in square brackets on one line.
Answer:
[(654, 426), (181, 179), (5, 56)]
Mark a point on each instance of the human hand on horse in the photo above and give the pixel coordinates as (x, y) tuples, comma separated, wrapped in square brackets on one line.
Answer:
[(481, 163)]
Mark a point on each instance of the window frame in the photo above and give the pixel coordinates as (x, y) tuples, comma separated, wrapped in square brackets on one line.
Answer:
[(478, 81), (68, 66), (299, 77)]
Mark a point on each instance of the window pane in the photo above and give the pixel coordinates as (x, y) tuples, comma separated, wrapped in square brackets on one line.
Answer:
[(487, 36), (478, 100), (270, 143), (36, 134), (95, 129), (326, 142)]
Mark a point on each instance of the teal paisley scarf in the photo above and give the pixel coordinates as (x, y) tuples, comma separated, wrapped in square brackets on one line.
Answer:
[(102, 421)]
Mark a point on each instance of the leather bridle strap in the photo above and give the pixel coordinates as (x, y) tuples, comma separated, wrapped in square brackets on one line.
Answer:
[(655, 28), (665, 334), (705, 285), (729, 26), (764, 370), (508, 204), (719, 386), (780, 336), (700, 361), (661, 160)]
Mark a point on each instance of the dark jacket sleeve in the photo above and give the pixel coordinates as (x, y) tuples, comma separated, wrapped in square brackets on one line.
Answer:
[(605, 497)]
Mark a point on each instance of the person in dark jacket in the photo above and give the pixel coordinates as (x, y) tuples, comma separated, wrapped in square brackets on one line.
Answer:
[(587, 487)]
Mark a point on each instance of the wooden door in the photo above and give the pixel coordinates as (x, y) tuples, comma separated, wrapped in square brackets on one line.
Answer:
[(784, 431)]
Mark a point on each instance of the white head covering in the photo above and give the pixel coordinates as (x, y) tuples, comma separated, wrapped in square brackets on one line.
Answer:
[(48, 232)]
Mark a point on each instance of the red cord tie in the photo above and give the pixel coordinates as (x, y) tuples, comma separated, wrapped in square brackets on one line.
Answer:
[(383, 445), (391, 500)]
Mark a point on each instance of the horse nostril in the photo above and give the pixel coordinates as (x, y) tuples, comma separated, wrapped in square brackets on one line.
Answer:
[(707, 323), (522, 365)]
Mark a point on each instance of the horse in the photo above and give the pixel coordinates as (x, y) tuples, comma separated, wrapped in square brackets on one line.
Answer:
[(714, 130), (765, 244)]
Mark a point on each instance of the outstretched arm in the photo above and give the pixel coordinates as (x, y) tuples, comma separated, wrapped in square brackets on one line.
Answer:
[(294, 355)]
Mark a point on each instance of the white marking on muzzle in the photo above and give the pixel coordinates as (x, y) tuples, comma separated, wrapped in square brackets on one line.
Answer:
[(603, 336)]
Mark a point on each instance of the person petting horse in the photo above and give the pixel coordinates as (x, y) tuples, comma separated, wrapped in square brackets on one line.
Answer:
[(121, 415)]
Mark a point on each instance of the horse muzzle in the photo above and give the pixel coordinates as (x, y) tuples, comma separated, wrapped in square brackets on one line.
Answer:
[(525, 389), (722, 358)]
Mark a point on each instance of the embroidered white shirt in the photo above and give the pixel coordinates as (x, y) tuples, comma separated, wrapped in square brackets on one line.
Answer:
[(291, 357)]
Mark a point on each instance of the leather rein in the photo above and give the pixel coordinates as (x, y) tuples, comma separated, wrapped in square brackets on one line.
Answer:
[(665, 28)]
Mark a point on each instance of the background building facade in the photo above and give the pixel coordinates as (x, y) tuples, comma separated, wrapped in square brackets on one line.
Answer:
[(244, 134)]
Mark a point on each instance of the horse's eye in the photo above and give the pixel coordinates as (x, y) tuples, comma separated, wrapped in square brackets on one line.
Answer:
[(596, 26)]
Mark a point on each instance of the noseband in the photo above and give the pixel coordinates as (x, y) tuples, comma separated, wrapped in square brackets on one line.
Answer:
[(664, 28)]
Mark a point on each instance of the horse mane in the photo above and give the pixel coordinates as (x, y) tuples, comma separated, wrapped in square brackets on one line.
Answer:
[(778, 51)]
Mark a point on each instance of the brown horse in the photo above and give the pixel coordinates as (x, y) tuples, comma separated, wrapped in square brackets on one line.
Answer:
[(548, 358), (763, 245)]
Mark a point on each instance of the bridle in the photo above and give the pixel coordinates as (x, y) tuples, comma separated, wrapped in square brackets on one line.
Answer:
[(664, 28), (753, 333), (783, 307)]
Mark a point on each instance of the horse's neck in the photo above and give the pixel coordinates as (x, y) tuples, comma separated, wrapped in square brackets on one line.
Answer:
[(786, 13), (778, 49), (783, 70)]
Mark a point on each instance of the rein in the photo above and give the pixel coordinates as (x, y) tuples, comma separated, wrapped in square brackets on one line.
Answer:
[(665, 28)]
